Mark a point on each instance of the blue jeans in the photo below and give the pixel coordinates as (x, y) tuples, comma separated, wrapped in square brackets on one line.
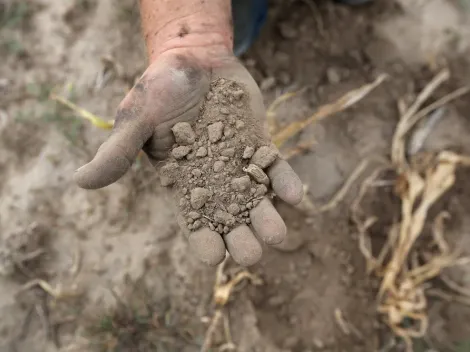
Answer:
[(250, 15), (248, 18)]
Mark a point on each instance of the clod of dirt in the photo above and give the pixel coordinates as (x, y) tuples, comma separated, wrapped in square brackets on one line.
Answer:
[(215, 131), (184, 134), (241, 183), (264, 157), (248, 152), (199, 197), (209, 166), (180, 152)]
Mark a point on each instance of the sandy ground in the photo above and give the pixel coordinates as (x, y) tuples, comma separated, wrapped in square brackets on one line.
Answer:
[(121, 247)]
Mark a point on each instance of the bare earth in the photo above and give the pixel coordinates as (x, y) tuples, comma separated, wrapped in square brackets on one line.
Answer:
[(115, 258)]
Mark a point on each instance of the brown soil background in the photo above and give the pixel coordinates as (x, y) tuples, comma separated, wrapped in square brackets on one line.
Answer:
[(127, 235)]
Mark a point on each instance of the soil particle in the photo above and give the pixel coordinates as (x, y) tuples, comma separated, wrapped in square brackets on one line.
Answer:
[(201, 152), (264, 157), (180, 152), (194, 215), (168, 174), (215, 131), (233, 209), (229, 152), (241, 183), (248, 152), (228, 132), (239, 124), (223, 217), (199, 197), (218, 166), (196, 173), (184, 134)]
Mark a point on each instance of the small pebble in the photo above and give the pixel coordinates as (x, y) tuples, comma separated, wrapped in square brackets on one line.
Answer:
[(249, 205), (264, 157), (238, 94), (189, 221), (199, 197), (224, 158), (197, 224), (248, 221), (242, 207), (211, 226), (240, 198), (333, 75), (201, 152), (229, 152), (233, 209), (194, 215), (218, 166), (224, 110), (222, 145), (196, 173), (220, 229), (215, 131), (224, 218), (184, 134), (248, 152), (226, 229), (241, 183), (180, 152), (228, 132), (239, 124), (184, 190), (256, 202)]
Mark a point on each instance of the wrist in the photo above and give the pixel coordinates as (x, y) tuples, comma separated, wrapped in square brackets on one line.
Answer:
[(203, 28), (210, 49)]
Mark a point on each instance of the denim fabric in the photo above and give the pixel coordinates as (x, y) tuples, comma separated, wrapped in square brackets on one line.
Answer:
[(250, 15), (248, 18)]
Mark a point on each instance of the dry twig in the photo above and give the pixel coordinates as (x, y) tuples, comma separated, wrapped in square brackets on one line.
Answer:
[(222, 293), (327, 110)]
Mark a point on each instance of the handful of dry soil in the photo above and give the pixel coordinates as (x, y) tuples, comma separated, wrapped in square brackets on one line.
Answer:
[(216, 166)]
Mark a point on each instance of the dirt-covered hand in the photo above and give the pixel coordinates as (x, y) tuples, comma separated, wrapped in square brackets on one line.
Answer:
[(172, 90)]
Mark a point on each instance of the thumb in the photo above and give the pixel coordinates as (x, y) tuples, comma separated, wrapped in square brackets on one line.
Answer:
[(115, 156)]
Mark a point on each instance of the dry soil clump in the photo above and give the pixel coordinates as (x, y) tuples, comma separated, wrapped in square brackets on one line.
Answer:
[(217, 164)]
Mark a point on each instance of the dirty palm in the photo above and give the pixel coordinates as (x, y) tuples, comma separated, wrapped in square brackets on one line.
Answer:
[(199, 116)]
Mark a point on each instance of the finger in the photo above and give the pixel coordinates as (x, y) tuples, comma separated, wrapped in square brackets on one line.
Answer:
[(285, 182), (114, 157), (208, 246), (267, 223), (243, 246)]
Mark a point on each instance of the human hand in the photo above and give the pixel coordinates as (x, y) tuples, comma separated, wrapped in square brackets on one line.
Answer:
[(172, 90)]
